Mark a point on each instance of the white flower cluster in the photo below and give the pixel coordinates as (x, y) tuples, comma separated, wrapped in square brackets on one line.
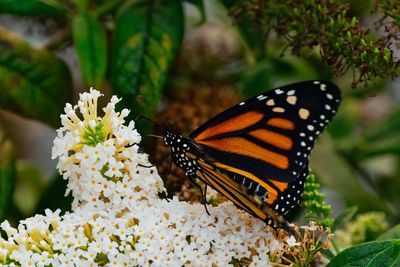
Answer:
[(99, 156), (117, 218)]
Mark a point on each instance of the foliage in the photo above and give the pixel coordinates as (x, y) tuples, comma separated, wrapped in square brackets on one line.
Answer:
[(327, 26), (375, 253), (7, 175), (144, 51), (365, 227), (143, 38), (34, 82), (313, 201), (133, 49)]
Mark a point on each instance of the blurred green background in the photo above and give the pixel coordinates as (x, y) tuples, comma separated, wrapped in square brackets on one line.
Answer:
[(153, 52)]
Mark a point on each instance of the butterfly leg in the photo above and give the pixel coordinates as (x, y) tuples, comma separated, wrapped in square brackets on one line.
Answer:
[(204, 198), (168, 171), (203, 194)]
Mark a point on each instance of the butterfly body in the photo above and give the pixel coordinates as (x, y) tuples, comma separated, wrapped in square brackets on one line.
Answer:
[(256, 153), (180, 147)]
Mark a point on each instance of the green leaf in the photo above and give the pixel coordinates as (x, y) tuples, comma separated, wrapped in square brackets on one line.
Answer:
[(375, 253), (33, 82), (90, 44), (343, 217), (146, 40), (7, 176), (393, 233), (32, 7)]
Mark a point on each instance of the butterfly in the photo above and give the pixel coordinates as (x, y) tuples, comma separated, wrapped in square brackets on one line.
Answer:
[(256, 153)]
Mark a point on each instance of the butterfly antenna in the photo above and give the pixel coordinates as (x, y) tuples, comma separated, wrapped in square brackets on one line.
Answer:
[(167, 125), (154, 135), (141, 117)]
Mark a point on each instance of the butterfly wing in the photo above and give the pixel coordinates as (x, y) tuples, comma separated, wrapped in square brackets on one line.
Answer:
[(268, 138), (253, 199)]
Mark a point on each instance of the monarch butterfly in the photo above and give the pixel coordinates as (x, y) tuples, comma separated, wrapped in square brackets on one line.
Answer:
[(256, 153)]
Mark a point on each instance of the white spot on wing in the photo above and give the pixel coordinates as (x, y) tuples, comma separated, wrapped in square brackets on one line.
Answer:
[(291, 92), (291, 99), (270, 102), (278, 109), (304, 113)]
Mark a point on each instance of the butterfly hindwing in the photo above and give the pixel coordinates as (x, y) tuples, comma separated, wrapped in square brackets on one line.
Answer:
[(244, 198), (253, 198), (271, 135)]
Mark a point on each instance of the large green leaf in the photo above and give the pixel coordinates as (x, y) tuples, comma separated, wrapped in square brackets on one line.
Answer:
[(32, 7), (146, 40), (7, 176), (90, 44), (375, 253), (33, 82)]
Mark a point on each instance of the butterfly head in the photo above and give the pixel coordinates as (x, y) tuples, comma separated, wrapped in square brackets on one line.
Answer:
[(180, 147), (172, 139)]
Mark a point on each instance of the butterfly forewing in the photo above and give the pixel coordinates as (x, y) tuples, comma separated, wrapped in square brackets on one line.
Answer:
[(271, 135)]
